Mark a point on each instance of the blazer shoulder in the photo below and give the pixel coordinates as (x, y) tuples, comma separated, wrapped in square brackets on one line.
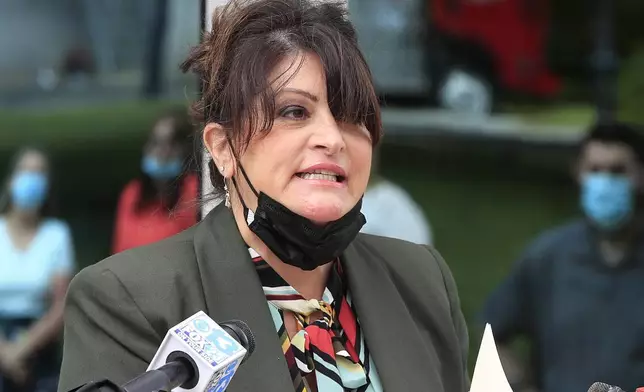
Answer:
[(162, 279), (403, 257), (417, 270), (171, 255)]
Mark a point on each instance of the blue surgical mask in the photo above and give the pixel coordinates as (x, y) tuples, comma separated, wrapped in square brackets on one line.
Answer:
[(161, 170), (607, 200), (29, 190)]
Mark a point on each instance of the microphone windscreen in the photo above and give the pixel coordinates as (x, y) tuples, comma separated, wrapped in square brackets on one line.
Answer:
[(241, 332), (599, 387)]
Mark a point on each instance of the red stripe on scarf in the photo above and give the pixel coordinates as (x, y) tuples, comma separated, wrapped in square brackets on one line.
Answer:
[(321, 339), (290, 358), (283, 297), (349, 325)]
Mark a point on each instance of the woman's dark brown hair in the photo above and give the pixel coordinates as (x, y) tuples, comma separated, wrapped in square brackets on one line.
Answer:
[(183, 131), (249, 38)]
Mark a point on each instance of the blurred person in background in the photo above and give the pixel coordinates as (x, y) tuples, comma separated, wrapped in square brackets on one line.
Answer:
[(36, 265), (576, 293), (162, 201), (391, 212)]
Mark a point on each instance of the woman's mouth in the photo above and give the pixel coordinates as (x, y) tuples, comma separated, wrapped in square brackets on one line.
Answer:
[(321, 175)]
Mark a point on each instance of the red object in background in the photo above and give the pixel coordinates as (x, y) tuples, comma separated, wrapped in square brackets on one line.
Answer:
[(154, 223), (640, 389), (512, 32)]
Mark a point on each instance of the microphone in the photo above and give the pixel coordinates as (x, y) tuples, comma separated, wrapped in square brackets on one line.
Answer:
[(197, 355), (603, 387)]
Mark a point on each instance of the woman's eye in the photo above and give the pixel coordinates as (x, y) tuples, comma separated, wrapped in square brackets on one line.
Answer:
[(294, 112)]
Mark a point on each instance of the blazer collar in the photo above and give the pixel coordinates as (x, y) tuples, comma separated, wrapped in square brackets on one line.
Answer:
[(404, 359), (233, 290)]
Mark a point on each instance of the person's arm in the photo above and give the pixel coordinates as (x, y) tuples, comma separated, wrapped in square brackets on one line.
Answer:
[(49, 326), (515, 369), (106, 334), (510, 312)]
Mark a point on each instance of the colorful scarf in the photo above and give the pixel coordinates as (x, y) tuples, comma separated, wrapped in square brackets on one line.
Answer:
[(330, 347)]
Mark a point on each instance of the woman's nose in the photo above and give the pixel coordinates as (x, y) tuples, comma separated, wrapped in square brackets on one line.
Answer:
[(329, 137)]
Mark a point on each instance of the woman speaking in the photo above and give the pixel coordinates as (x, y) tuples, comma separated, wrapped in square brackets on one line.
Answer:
[(290, 120)]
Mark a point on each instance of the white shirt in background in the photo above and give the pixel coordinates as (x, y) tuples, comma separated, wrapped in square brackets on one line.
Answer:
[(391, 212), (25, 275)]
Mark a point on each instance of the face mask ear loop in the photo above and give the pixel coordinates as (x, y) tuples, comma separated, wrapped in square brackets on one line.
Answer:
[(241, 199), (252, 188), (250, 184)]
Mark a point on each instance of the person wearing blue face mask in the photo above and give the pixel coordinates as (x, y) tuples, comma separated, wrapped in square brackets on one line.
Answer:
[(36, 264), (576, 292), (162, 201)]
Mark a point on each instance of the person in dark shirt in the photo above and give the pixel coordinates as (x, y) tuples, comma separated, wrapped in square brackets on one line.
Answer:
[(576, 291)]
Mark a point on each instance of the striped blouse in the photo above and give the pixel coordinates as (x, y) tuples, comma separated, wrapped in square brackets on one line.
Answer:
[(329, 349)]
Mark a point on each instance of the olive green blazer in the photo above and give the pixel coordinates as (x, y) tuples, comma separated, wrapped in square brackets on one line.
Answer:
[(119, 310)]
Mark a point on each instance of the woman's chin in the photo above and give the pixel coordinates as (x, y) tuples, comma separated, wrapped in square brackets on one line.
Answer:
[(322, 213)]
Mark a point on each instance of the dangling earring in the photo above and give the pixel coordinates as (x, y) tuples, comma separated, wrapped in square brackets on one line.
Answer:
[(227, 200)]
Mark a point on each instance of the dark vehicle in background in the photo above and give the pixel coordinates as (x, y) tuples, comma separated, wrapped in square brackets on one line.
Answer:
[(460, 53)]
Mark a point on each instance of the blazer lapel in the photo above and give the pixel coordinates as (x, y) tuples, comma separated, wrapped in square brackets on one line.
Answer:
[(403, 359), (233, 290)]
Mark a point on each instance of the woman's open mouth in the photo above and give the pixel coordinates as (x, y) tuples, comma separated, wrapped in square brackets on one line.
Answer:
[(321, 175)]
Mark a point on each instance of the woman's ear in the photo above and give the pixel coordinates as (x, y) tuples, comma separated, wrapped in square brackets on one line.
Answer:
[(216, 142)]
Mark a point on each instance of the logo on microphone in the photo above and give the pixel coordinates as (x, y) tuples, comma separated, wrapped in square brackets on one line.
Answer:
[(202, 345), (202, 325), (223, 342), (211, 342), (221, 380)]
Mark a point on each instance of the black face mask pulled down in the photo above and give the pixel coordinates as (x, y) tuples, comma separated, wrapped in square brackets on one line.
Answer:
[(296, 240)]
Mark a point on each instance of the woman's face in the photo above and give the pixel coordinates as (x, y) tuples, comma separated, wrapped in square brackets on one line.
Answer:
[(162, 143), (29, 184), (312, 164)]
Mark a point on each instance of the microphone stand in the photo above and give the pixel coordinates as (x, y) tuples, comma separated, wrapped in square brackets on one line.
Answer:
[(180, 369), (173, 374), (98, 386)]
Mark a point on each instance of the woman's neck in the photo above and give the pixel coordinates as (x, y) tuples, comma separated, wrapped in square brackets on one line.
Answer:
[(22, 220), (161, 186), (310, 284)]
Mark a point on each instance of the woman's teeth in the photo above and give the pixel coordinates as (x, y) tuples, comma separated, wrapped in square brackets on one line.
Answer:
[(319, 176)]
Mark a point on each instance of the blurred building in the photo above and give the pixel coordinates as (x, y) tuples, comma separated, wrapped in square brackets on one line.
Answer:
[(42, 41)]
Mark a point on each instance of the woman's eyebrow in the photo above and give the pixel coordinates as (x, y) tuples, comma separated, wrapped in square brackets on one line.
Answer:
[(304, 93)]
